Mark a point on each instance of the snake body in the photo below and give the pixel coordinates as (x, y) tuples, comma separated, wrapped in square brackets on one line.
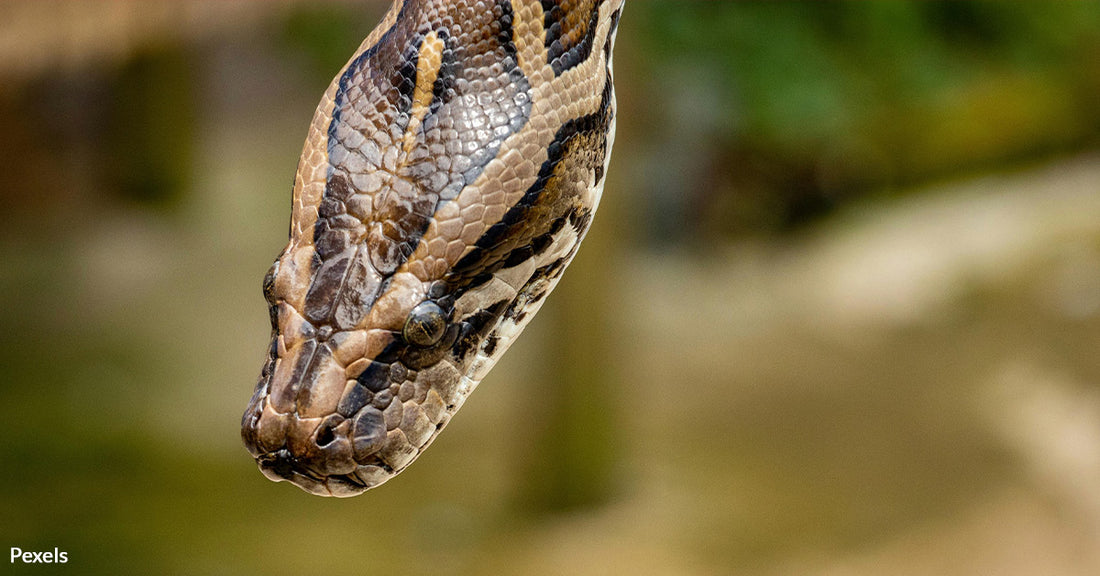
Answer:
[(450, 172)]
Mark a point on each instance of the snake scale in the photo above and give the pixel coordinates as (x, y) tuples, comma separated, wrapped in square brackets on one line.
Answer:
[(449, 174)]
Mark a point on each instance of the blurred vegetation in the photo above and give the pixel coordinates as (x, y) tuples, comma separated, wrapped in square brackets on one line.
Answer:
[(813, 104), (320, 33), (149, 122)]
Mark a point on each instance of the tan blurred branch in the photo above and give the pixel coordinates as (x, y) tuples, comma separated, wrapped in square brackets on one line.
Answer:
[(41, 35)]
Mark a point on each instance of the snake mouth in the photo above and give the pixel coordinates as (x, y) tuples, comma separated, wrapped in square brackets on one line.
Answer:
[(281, 466)]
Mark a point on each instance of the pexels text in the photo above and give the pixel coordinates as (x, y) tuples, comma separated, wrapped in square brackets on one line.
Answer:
[(18, 555)]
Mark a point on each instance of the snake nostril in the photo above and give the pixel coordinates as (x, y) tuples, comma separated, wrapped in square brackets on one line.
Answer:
[(325, 435)]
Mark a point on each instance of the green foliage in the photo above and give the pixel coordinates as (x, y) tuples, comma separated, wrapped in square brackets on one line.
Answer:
[(148, 122), (830, 100), (326, 33)]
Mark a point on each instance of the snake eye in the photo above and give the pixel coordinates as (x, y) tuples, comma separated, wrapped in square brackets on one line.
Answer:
[(269, 283), (425, 325), (269, 294)]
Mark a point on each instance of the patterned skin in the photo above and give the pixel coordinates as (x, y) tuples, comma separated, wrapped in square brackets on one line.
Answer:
[(450, 172)]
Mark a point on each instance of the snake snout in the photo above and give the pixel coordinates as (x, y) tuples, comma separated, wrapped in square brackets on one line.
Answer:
[(321, 463), (309, 425), (314, 447)]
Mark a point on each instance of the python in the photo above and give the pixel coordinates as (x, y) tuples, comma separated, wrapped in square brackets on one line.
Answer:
[(450, 173)]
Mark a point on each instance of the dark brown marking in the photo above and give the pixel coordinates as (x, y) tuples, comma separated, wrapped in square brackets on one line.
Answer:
[(326, 284), (611, 36), (376, 377), (579, 219), (368, 434), (579, 147), (353, 400), (490, 344), (475, 96), (477, 326), (570, 31)]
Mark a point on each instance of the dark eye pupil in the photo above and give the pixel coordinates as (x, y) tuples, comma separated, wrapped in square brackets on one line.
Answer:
[(425, 325), (269, 283)]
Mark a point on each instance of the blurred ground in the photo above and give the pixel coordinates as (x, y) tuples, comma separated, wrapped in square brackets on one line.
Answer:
[(902, 379)]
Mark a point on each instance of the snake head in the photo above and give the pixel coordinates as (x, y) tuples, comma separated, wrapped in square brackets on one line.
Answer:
[(451, 171), (339, 409)]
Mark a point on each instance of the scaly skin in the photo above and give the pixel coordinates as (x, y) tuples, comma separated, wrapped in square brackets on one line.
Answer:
[(450, 172)]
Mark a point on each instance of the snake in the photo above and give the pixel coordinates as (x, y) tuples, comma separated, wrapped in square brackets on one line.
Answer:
[(449, 174)]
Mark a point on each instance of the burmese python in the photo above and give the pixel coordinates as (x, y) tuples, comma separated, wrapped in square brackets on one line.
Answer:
[(450, 172)]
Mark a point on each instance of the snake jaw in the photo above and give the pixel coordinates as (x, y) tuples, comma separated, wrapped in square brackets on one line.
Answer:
[(281, 466)]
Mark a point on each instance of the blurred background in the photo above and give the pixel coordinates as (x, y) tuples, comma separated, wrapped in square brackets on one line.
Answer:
[(839, 315)]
